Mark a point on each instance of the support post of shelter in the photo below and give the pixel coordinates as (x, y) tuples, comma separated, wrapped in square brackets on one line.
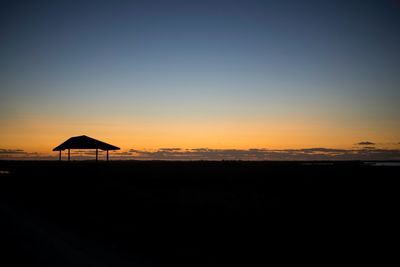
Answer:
[(107, 155), (69, 154), (97, 154), (59, 156)]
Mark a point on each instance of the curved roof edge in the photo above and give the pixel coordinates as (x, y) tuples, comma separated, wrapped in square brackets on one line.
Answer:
[(84, 142)]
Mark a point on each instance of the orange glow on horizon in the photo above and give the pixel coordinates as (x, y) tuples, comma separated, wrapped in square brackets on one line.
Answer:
[(42, 136)]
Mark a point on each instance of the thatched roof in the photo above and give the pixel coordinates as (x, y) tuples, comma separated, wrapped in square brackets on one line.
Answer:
[(84, 142)]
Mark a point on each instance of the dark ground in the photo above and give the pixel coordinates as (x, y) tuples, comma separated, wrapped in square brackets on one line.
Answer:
[(189, 213)]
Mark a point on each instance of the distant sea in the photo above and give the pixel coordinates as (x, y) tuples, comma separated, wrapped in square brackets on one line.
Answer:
[(384, 163)]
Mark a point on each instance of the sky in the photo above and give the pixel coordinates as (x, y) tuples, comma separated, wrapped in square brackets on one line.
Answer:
[(216, 75)]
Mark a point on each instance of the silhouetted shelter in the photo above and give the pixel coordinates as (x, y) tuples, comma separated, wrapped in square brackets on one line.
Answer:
[(84, 142)]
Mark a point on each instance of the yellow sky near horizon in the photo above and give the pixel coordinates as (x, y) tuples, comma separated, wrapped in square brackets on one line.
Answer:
[(34, 135)]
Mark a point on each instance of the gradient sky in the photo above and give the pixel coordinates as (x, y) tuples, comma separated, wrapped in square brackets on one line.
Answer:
[(189, 74)]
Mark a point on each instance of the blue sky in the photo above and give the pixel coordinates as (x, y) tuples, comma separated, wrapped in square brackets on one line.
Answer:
[(252, 66)]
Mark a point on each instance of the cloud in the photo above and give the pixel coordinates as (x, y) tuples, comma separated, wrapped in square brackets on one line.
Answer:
[(11, 151), (366, 143), (170, 149), (321, 150), (368, 147), (366, 153), (20, 154), (124, 153), (256, 154)]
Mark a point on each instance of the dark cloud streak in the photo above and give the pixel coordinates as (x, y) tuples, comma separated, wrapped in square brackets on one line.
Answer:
[(256, 154), (366, 153), (12, 151), (366, 143)]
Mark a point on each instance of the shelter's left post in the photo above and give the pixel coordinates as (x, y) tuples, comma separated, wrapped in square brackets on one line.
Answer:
[(59, 156)]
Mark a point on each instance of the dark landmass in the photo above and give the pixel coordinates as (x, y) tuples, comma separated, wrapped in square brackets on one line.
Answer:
[(160, 213)]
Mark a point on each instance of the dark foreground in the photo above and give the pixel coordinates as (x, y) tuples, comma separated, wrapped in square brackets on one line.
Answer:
[(186, 213)]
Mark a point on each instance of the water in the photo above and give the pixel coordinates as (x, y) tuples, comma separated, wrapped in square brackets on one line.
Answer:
[(397, 164)]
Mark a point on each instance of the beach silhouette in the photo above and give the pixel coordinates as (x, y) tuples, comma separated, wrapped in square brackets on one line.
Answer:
[(152, 213)]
